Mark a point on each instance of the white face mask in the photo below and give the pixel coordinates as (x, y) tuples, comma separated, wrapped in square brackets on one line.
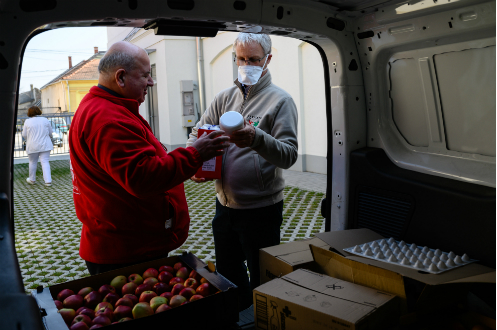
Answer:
[(250, 74)]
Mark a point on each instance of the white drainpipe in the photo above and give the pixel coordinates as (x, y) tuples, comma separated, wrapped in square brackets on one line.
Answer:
[(200, 71)]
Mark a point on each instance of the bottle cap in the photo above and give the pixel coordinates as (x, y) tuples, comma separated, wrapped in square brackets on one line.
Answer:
[(231, 121)]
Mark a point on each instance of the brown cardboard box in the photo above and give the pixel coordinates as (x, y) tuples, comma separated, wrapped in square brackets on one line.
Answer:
[(212, 312), (282, 259), (417, 290), (308, 300)]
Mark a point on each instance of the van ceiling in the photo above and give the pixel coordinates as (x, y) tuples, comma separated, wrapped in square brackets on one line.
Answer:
[(357, 5)]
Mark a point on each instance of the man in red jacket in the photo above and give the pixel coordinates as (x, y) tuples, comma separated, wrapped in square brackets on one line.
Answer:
[(128, 190)]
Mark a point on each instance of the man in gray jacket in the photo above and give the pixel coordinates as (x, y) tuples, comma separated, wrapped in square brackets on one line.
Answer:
[(249, 203)]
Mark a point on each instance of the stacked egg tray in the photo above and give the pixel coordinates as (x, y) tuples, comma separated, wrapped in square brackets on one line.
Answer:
[(433, 261)]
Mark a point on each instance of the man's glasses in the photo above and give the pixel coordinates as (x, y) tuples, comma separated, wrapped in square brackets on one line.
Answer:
[(249, 61)]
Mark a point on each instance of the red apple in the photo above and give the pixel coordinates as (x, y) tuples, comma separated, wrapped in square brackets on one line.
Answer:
[(64, 294), (68, 314), (167, 295), (142, 288), (102, 305), (165, 277), (203, 280), (124, 301), (160, 288), (132, 297), (129, 288), (105, 289), (195, 275), (187, 293), (191, 283), (84, 291), (105, 311), (96, 326), (177, 288), (196, 297), (122, 311), (203, 289), (186, 302), (58, 304), (142, 309), (118, 282), (162, 308), (177, 266), (92, 299), (176, 280), (74, 302), (182, 272), (151, 272), (166, 269), (151, 281), (82, 318), (86, 311), (135, 278), (111, 298), (176, 301), (146, 296), (79, 326), (102, 320)]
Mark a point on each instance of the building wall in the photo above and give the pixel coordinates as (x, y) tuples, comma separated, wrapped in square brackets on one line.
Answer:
[(54, 95), (77, 90)]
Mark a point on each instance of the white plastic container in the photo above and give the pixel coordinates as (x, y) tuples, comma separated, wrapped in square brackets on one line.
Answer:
[(231, 121)]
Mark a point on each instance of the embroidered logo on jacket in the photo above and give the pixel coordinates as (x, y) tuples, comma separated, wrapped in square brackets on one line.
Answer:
[(253, 120)]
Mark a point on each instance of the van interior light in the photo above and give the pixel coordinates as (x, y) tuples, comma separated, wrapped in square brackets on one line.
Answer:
[(413, 6)]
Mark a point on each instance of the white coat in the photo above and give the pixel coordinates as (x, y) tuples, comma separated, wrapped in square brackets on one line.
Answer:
[(38, 134)]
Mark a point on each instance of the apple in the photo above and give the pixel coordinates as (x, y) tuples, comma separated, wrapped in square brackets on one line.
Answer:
[(177, 288), (203, 280), (102, 320), (79, 326), (122, 311), (124, 301), (155, 302), (142, 288), (84, 291), (151, 281), (178, 265), (166, 269), (195, 275), (142, 309), (176, 280), (96, 326), (196, 297), (86, 311), (151, 272), (191, 283), (118, 282), (160, 288), (135, 278), (132, 297), (68, 314), (182, 272), (187, 293), (102, 305), (186, 302), (176, 301), (162, 308), (74, 302), (82, 318), (124, 319), (165, 277), (111, 298), (64, 294), (129, 288), (203, 289), (146, 296), (167, 295), (58, 304), (92, 299), (105, 289), (105, 311)]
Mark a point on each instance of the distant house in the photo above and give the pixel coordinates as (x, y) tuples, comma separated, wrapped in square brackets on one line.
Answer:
[(65, 92), (27, 100)]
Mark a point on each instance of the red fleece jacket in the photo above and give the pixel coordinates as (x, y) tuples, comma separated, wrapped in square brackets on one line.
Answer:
[(124, 181)]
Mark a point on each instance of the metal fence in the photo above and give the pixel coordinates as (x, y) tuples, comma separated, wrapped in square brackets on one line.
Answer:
[(60, 122)]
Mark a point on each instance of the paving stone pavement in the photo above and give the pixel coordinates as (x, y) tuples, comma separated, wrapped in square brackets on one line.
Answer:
[(305, 180), (47, 231)]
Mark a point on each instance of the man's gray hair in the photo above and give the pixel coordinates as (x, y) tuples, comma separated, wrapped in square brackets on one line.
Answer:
[(114, 60), (262, 39)]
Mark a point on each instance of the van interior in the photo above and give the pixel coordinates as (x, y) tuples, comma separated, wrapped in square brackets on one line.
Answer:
[(410, 109)]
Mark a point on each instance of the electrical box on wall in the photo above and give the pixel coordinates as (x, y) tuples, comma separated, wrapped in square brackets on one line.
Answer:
[(189, 101)]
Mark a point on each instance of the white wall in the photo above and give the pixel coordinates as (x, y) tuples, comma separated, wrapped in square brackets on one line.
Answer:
[(53, 95)]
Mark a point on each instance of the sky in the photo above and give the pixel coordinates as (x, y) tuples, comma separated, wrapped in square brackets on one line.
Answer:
[(47, 54)]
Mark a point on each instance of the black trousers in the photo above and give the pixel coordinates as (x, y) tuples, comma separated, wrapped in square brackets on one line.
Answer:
[(238, 236), (96, 269)]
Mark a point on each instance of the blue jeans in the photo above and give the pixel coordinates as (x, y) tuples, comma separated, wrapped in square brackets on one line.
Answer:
[(238, 236)]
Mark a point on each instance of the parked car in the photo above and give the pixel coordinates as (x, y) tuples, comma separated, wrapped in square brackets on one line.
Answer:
[(60, 124)]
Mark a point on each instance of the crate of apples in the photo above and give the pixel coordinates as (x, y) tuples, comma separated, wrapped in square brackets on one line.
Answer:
[(131, 297)]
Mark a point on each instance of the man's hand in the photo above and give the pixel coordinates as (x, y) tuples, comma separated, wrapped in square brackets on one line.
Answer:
[(211, 145), (200, 180), (243, 137)]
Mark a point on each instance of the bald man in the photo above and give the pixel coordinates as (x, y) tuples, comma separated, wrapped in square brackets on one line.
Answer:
[(128, 190)]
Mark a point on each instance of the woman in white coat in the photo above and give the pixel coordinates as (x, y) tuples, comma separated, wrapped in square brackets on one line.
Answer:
[(38, 134)]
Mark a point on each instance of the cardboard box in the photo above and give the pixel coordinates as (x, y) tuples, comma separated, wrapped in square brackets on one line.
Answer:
[(283, 259), (308, 300), (212, 312), (417, 290), (211, 169)]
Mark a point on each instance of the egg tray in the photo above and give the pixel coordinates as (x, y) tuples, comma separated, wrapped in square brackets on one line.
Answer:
[(433, 261)]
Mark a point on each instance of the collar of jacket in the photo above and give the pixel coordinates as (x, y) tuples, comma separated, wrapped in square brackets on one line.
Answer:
[(131, 105), (260, 85)]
